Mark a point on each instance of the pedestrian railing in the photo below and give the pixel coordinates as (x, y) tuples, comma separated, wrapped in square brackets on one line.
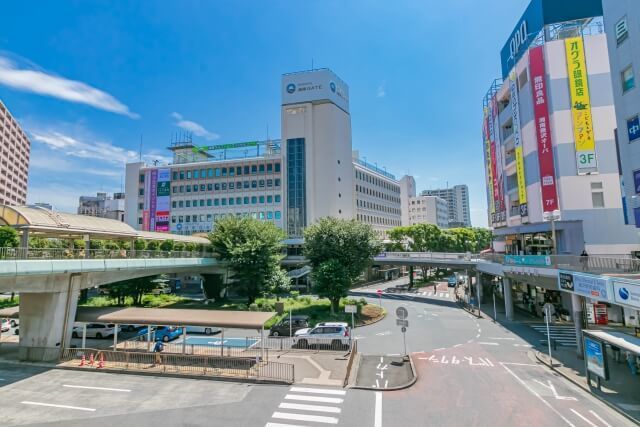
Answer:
[(249, 350), (253, 368), (302, 343), (63, 254)]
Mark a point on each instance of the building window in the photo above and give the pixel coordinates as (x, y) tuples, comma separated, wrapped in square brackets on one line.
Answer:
[(210, 187), (216, 187), (210, 173), (188, 203), (597, 195), (188, 174), (262, 199), (239, 170), (246, 200), (140, 220), (254, 184), (628, 79), (523, 79), (141, 177), (175, 176), (270, 168), (278, 215), (246, 184), (246, 170), (269, 199), (202, 187), (181, 204), (254, 169), (208, 202), (216, 202), (254, 200), (277, 198), (296, 187), (196, 174), (174, 204), (141, 192), (261, 169), (622, 31)]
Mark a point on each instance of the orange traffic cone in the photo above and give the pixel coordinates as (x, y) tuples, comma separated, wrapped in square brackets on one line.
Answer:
[(101, 362), (91, 359), (82, 360)]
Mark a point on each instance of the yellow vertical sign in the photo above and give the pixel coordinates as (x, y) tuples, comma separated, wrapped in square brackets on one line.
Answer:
[(581, 106), (517, 142)]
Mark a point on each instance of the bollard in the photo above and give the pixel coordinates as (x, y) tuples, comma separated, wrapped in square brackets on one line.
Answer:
[(101, 361), (91, 360), (82, 360)]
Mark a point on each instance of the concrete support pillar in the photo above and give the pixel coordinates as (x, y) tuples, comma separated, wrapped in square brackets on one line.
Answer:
[(508, 298), (576, 307), (46, 323), (479, 287), (87, 247), (24, 244)]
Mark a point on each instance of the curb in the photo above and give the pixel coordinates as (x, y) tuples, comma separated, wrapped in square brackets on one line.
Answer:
[(585, 387), (406, 385)]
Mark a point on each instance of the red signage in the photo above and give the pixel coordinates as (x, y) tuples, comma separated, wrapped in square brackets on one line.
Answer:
[(543, 130), (145, 220)]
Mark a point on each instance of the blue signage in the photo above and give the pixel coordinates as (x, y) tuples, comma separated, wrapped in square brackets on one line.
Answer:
[(538, 14), (587, 285), (594, 355), (537, 260), (633, 128), (636, 181)]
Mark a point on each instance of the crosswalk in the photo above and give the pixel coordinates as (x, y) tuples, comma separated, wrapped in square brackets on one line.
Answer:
[(308, 405), (565, 335), (437, 294)]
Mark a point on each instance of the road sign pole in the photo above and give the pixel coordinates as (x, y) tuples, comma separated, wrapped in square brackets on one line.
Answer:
[(548, 312), (495, 313), (353, 322), (404, 340)]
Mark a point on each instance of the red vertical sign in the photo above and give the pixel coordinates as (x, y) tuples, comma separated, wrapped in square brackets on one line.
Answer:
[(543, 130)]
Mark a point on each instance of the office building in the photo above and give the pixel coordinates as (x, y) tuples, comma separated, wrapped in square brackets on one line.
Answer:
[(407, 190), (622, 26), (15, 149), (457, 198), (103, 206), (549, 142), (310, 173), (428, 210)]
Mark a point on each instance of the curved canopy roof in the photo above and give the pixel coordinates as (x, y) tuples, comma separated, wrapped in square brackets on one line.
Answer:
[(46, 223)]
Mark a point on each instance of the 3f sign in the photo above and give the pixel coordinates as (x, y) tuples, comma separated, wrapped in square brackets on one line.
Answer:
[(587, 161)]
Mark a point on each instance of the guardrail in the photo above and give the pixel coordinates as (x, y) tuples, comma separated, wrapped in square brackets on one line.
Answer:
[(253, 368), (281, 343), (249, 350), (65, 254)]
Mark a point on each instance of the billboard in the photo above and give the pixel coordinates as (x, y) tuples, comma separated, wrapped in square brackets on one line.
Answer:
[(488, 164), (543, 130), (626, 293), (316, 85), (595, 357), (517, 142), (153, 198), (585, 143), (160, 220), (501, 210), (587, 285)]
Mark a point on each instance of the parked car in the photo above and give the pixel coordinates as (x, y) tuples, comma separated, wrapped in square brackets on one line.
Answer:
[(207, 330), (95, 330), (162, 333), (161, 290), (284, 327), (131, 328), (5, 325), (333, 334), (452, 281)]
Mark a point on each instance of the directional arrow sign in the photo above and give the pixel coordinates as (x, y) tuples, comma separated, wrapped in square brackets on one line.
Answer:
[(402, 322)]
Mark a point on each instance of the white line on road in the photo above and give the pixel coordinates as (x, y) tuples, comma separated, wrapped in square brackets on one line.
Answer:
[(313, 398), (78, 408), (377, 421), (477, 335), (586, 420), (281, 425), (438, 349), (318, 390), (457, 345), (488, 343), (303, 407), (97, 388), (600, 418), (392, 355), (469, 341), (304, 417), (523, 345), (495, 338), (479, 330), (532, 391), (519, 364)]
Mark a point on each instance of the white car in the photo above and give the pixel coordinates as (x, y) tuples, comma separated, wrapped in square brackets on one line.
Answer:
[(5, 325), (95, 330), (207, 330), (336, 335)]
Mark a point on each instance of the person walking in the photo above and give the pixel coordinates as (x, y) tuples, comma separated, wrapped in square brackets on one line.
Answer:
[(584, 260), (631, 361), (157, 349)]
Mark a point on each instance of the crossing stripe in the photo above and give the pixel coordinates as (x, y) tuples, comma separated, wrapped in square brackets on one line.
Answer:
[(318, 391), (313, 398), (304, 417), (316, 408), (281, 425), (78, 408)]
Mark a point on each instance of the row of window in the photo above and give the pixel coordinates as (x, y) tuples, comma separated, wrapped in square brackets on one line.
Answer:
[(214, 217), (377, 181), (376, 220), (223, 171), (223, 186), (231, 201), (378, 194), (368, 205)]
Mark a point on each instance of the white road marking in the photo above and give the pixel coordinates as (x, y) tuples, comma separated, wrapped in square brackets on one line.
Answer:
[(281, 425), (97, 388), (471, 340), (519, 364), (303, 407), (304, 417), (78, 408), (586, 420), (495, 338), (477, 335), (523, 345), (600, 418), (553, 390), (391, 355), (319, 390), (313, 398), (377, 422), (479, 330), (457, 345), (537, 395), (438, 349), (488, 343)]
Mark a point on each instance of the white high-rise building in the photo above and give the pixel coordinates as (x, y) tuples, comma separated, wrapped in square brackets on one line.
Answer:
[(407, 190), (15, 149), (428, 210), (457, 198)]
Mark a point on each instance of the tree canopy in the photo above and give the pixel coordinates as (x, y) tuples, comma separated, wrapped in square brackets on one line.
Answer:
[(8, 237), (253, 249), (431, 238), (339, 251)]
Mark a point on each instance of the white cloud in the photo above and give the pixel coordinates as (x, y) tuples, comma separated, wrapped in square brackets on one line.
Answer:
[(381, 92), (196, 128), (43, 83), (45, 160)]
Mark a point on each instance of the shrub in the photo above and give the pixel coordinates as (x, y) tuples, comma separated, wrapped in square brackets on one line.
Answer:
[(295, 295)]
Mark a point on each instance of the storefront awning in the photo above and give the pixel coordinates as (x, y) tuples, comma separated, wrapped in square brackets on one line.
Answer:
[(619, 339)]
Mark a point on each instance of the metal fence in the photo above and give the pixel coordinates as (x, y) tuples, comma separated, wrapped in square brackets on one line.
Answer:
[(63, 254), (254, 368), (249, 350), (303, 343)]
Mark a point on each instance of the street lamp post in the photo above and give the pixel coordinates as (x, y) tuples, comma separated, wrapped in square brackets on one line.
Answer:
[(552, 217)]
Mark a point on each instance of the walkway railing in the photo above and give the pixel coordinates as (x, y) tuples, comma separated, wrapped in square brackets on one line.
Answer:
[(63, 254)]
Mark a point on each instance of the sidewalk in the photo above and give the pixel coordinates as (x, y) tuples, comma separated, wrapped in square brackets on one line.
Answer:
[(621, 391)]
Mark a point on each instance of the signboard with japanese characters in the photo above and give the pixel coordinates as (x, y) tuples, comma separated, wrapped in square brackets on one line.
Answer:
[(517, 142)]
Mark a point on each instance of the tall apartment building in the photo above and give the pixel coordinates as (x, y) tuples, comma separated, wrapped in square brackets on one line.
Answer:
[(15, 149), (308, 174), (407, 190), (457, 198), (548, 136), (622, 25), (428, 210), (103, 206), (377, 194)]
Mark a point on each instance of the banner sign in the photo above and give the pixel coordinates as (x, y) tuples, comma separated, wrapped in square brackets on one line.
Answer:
[(581, 107), (587, 285), (501, 210), (517, 142), (489, 164), (543, 130), (626, 293), (146, 216), (160, 216), (537, 260), (595, 356)]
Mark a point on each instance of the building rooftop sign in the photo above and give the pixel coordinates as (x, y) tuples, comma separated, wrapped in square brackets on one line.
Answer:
[(538, 14), (315, 85)]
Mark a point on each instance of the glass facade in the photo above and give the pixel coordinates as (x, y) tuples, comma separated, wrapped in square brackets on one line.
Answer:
[(296, 187)]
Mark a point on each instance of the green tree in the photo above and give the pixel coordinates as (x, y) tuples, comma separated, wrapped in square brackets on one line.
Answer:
[(178, 246), (484, 238), (167, 245), (140, 245), (152, 245), (8, 237), (253, 249), (339, 251), (278, 283), (190, 246)]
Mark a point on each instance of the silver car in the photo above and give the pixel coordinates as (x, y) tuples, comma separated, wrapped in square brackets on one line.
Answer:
[(335, 335)]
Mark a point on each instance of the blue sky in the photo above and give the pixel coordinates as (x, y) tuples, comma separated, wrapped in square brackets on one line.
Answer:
[(89, 80)]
